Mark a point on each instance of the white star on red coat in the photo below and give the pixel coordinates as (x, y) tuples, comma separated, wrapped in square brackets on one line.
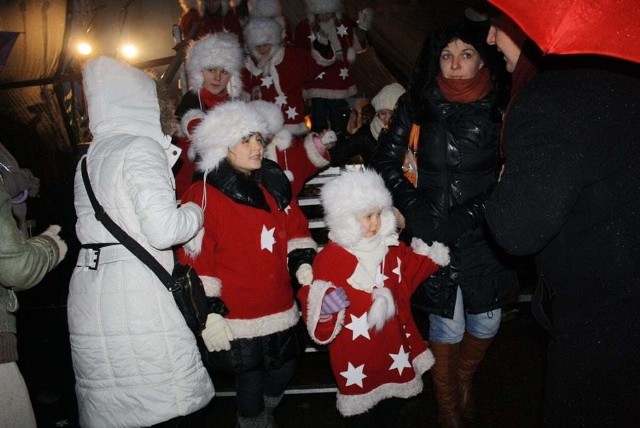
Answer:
[(312, 37), (281, 100), (354, 375), (266, 238), (287, 209), (342, 30), (320, 76), (380, 277), (291, 112), (344, 73), (400, 360), (359, 326), (397, 269), (267, 81)]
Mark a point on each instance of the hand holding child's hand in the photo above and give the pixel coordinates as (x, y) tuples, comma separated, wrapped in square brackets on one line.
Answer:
[(334, 301)]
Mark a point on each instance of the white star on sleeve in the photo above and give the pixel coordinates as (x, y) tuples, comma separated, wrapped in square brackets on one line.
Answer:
[(266, 238), (400, 360), (320, 76), (344, 73), (267, 81), (281, 100), (380, 277), (291, 113), (287, 209), (342, 30), (397, 269), (354, 375), (359, 326), (312, 37)]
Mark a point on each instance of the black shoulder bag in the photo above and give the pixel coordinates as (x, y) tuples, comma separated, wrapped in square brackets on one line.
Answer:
[(183, 282)]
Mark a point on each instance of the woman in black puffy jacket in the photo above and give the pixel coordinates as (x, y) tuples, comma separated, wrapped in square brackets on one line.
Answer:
[(451, 98)]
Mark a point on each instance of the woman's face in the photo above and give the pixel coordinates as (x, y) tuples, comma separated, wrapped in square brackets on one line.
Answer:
[(509, 46), (215, 80), (384, 115), (370, 224), (246, 156), (460, 60)]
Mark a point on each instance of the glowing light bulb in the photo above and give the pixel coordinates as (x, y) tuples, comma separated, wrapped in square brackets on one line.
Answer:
[(84, 48)]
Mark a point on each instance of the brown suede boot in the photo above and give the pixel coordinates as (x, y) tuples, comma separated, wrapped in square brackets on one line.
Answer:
[(472, 351), (445, 377)]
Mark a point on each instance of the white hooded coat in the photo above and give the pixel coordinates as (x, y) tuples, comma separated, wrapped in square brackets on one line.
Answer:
[(136, 362)]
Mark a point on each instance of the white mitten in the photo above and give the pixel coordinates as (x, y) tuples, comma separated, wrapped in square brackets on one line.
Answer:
[(217, 335), (59, 246), (194, 245), (365, 18), (304, 274), (329, 138)]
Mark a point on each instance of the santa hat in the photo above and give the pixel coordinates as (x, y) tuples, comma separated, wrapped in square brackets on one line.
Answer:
[(317, 7), (260, 31), (218, 50), (351, 195), (222, 128), (266, 8), (388, 96)]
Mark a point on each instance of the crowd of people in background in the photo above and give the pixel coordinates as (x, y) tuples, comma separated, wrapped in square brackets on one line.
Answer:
[(460, 173)]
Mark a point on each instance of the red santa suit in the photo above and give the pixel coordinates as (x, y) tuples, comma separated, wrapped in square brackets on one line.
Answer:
[(225, 22), (281, 81), (369, 365), (245, 248), (335, 80)]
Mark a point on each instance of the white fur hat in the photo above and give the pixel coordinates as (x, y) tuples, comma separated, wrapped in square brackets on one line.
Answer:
[(275, 122), (388, 96), (262, 30), (216, 50), (266, 8), (317, 7), (351, 195), (222, 128)]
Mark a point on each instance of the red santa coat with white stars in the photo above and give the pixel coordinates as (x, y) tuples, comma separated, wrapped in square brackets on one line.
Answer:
[(335, 81), (369, 366), (246, 249), (282, 83)]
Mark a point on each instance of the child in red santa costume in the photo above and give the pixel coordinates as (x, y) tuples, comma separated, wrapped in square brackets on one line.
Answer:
[(299, 157), (213, 67), (276, 72), (254, 236), (331, 39), (358, 303)]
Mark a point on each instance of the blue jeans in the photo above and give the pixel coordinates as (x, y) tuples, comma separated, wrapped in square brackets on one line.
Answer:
[(482, 326)]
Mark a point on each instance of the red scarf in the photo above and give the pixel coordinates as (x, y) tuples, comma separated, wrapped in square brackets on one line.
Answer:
[(210, 100), (466, 90)]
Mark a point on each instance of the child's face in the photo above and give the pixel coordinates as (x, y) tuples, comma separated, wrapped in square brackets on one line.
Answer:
[(246, 156), (215, 80), (370, 224)]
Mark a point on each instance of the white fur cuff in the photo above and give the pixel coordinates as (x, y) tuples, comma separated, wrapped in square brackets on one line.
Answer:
[(187, 118), (212, 286), (437, 252)]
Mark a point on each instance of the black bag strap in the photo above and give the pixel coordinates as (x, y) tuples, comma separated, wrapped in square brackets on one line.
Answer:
[(129, 243)]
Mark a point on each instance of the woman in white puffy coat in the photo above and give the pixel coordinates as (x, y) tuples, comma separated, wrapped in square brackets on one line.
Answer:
[(135, 360)]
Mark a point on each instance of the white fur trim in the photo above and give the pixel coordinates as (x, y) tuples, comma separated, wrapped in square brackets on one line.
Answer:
[(320, 60), (312, 152), (282, 139), (187, 118), (317, 291), (331, 94), (289, 175), (223, 127), (423, 362), (437, 252), (301, 243), (382, 309), (212, 286), (349, 405), (262, 326), (271, 113), (298, 129), (215, 50)]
